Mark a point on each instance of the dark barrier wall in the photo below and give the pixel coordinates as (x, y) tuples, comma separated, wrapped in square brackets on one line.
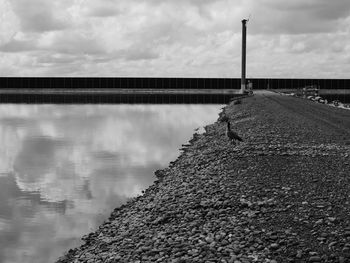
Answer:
[(168, 83), (125, 83), (300, 83)]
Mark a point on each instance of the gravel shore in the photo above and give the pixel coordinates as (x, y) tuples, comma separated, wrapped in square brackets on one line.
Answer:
[(282, 195)]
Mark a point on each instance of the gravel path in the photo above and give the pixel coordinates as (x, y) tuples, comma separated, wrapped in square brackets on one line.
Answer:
[(283, 195)]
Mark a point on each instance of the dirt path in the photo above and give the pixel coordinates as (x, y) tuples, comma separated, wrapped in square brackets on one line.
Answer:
[(337, 119)]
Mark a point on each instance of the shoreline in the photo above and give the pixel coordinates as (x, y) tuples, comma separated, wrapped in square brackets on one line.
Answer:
[(276, 197)]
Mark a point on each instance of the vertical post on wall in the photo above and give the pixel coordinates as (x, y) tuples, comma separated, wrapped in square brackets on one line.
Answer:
[(244, 52)]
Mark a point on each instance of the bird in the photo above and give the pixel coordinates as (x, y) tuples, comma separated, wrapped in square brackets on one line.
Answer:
[(231, 134), (223, 118)]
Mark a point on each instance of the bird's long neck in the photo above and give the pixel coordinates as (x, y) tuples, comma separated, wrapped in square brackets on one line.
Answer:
[(228, 128)]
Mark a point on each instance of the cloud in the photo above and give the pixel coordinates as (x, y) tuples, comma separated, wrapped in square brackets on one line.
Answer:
[(37, 157), (102, 8), (136, 54), (38, 15), (58, 59), (18, 46), (298, 17), (9, 23), (198, 38), (74, 43), (104, 12), (315, 8)]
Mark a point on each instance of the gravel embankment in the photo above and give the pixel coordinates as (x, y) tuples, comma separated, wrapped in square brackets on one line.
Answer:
[(283, 195)]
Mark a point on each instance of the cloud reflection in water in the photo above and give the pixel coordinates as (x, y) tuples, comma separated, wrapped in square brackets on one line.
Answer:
[(63, 168)]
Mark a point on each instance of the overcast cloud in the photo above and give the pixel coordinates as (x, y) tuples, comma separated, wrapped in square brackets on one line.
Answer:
[(174, 38)]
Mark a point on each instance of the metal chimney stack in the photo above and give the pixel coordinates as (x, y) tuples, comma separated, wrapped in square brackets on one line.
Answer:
[(244, 51)]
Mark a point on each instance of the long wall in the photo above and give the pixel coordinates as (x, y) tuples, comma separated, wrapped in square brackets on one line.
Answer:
[(125, 83), (167, 83)]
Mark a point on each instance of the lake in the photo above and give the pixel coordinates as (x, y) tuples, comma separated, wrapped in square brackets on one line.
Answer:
[(64, 168)]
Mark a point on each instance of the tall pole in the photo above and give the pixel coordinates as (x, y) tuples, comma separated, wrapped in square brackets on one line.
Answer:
[(244, 50)]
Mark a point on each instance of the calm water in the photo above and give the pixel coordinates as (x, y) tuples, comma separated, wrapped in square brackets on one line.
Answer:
[(64, 168)]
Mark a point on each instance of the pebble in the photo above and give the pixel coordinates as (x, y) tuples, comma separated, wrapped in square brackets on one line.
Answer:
[(332, 219), (346, 250), (274, 246), (318, 222), (314, 259), (299, 254), (332, 244), (209, 240)]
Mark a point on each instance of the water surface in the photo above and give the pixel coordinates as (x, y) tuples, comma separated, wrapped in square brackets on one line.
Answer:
[(64, 168)]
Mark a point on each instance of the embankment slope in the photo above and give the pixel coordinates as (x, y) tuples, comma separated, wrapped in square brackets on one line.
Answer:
[(280, 196)]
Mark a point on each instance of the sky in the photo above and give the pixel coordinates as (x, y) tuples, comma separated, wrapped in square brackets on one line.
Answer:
[(174, 38)]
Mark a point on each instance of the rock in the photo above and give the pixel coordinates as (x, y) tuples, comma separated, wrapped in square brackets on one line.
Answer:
[(346, 249), (209, 240), (212, 244), (319, 222), (273, 237), (324, 235), (332, 244), (314, 259), (332, 219), (274, 246)]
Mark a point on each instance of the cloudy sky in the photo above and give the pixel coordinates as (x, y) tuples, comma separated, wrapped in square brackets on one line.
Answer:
[(174, 38)]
